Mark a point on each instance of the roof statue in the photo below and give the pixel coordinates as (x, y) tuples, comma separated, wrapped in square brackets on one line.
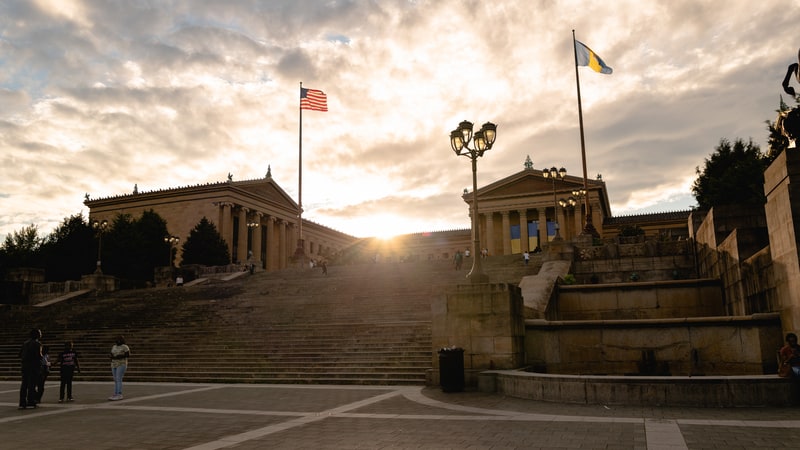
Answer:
[(789, 121), (269, 172), (230, 177), (135, 189), (528, 163)]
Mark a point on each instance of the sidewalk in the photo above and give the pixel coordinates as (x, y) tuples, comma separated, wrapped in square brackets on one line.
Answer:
[(244, 416)]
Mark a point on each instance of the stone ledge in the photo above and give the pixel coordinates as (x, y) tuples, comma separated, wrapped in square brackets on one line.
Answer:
[(700, 391)]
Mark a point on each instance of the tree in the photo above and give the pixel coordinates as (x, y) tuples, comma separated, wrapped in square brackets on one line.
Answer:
[(21, 248), (776, 142), (70, 250), (205, 246), (133, 248), (734, 174)]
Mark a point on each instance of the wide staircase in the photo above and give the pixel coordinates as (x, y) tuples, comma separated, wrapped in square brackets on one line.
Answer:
[(360, 324)]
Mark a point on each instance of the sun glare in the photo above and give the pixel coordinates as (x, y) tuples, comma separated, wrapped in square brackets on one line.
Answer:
[(384, 226)]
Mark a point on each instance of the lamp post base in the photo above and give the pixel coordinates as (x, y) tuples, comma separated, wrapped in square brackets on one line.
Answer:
[(478, 278)]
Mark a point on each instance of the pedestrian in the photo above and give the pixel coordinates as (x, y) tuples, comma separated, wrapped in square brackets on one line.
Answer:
[(324, 268), (526, 256), (30, 355), (67, 366), (44, 372), (458, 259), (120, 353)]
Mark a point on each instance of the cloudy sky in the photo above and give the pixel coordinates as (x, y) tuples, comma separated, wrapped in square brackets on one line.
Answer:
[(96, 96)]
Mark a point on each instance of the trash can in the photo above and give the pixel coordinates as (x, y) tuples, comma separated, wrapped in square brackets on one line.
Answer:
[(451, 369)]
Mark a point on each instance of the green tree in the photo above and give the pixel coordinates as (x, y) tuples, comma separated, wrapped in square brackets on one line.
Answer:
[(205, 246), (132, 248), (776, 142), (70, 250), (733, 174), (21, 248)]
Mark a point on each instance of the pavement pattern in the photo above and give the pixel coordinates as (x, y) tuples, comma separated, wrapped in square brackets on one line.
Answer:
[(258, 416)]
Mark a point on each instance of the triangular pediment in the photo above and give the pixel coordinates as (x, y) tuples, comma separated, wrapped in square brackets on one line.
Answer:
[(526, 183), (268, 190)]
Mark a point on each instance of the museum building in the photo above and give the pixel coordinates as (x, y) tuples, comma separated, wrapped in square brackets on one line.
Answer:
[(521, 212)]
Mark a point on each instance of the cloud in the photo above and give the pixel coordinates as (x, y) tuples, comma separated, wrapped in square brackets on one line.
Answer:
[(98, 97)]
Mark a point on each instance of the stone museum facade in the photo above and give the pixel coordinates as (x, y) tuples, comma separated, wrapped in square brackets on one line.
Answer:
[(518, 213), (251, 216)]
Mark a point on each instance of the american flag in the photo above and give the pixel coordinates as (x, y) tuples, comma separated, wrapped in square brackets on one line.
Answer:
[(313, 99)]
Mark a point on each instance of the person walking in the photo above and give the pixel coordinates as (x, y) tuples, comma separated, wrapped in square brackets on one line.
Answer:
[(30, 356), (67, 366), (120, 353), (526, 256), (458, 259)]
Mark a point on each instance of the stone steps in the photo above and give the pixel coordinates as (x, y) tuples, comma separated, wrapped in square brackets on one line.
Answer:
[(362, 324)]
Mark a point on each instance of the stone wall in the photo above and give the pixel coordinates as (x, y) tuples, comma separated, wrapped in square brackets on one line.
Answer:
[(684, 346), (643, 300), (649, 260), (486, 321), (782, 187)]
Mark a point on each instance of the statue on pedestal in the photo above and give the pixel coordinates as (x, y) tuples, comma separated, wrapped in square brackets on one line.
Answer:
[(789, 121)]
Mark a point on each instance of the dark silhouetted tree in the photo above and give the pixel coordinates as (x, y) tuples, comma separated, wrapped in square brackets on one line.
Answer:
[(776, 141), (21, 248), (205, 246), (133, 248), (733, 174), (70, 250)]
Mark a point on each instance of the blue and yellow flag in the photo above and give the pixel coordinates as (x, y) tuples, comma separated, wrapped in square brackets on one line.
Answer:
[(586, 57)]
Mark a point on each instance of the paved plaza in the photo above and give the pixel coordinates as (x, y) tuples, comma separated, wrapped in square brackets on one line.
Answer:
[(259, 416)]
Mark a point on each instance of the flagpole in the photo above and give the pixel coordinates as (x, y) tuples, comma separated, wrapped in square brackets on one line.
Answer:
[(588, 226), (300, 251)]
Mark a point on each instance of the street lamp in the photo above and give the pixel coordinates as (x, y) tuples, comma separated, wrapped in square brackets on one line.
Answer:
[(172, 241), (565, 203), (100, 226), (482, 140), (554, 174), (579, 195), (250, 227)]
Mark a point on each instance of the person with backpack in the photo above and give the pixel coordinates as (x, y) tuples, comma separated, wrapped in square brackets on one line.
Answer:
[(30, 355)]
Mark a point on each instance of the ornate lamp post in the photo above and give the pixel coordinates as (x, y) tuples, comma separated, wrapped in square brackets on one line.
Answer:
[(565, 203), (482, 140), (100, 226), (172, 241), (579, 195), (554, 174), (250, 227)]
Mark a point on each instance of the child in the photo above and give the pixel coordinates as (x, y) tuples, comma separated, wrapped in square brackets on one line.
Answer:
[(68, 363), (44, 372)]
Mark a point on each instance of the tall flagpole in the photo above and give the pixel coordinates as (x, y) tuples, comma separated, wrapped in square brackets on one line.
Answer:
[(588, 227), (300, 252)]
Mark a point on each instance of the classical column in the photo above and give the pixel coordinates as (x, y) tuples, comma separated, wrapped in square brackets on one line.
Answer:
[(578, 218), (226, 226), (506, 233), (490, 232), (272, 249), (257, 241), (241, 245), (523, 230), (542, 226), (282, 259)]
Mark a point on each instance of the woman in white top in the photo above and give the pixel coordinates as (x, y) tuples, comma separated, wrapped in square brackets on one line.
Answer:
[(119, 363)]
